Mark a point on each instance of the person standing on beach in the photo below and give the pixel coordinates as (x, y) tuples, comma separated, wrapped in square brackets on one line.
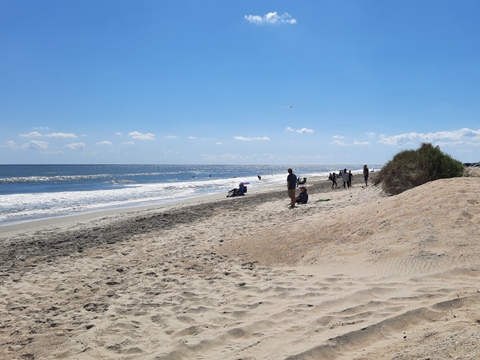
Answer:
[(366, 172), (333, 178), (350, 177), (291, 186), (345, 178)]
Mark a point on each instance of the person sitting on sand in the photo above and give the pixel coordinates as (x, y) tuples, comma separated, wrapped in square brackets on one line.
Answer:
[(302, 198), (241, 189)]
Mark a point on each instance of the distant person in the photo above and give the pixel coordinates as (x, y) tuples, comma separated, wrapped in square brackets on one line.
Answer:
[(333, 178), (345, 178), (302, 198), (291, 186), (366, 173), (350, 177), (259, 177)]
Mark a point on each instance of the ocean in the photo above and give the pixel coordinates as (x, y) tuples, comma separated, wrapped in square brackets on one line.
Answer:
[(35, 192)]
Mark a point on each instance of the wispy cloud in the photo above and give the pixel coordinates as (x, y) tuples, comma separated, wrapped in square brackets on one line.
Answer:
[(243, 138), (271, 18), (75, 146), (300, 131), (339, 140), (36, 145), (139, 136), (106, 142), (463, 136), (51, 135), (361, 143)]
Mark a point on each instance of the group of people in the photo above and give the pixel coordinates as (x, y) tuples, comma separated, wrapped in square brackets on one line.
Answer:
[(347, 177), (302, 198)]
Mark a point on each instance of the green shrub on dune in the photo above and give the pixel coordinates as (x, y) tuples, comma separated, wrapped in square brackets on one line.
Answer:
[(410, 168)]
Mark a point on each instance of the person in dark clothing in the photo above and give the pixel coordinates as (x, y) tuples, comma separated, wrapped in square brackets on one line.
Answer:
[(302, 198), (291, 186), (345, 178), (333, 178), (366, 173)]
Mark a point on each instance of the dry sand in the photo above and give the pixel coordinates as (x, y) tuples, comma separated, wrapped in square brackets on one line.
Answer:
[(351, 275)]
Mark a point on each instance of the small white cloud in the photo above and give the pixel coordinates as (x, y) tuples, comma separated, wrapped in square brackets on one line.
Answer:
[(191, 137), (75, 146), (106, 142), (61, 135), (171, 137), (271, 18), (299, 131), (36, 145), (218, 143), (305, 131), (243, 138), (118, 133), (339, 140), (362, 143), (139, 136), (11, 144), (31, 134)]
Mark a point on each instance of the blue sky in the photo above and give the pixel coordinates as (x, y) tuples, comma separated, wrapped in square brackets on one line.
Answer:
[(237, 81)]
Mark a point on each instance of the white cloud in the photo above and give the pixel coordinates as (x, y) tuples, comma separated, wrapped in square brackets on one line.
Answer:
[(106, 142), (75, 146), (36, 145), (463, 136), (61, 135), (139, 136), (171, 137), (243, 138), (11, 144), (339, 140), (118, 133), (356, 142), (53, 135), (31, 134), (271, 18), (300, 131)]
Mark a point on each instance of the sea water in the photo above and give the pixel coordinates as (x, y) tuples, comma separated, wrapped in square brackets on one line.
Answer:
[(34, 192)]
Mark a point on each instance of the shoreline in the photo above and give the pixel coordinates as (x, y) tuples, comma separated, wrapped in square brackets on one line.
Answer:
[(350, 275)]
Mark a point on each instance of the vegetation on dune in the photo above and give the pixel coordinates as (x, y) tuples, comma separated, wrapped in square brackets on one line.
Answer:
[(410, 168)]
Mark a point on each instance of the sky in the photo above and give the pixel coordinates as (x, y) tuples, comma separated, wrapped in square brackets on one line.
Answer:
[(237, 81)]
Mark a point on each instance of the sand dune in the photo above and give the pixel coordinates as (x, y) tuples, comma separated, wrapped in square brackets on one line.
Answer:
[(351, 275)]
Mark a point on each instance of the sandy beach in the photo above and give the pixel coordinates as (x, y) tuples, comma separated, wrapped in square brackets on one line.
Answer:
[(353, 274)]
